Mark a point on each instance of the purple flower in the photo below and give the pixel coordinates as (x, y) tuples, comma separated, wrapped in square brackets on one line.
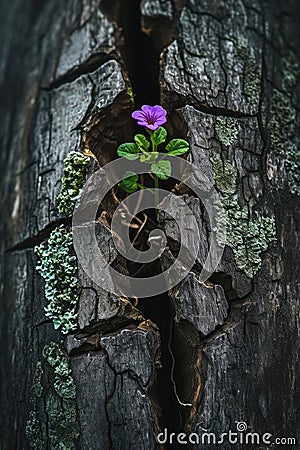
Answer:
[(151, 117)]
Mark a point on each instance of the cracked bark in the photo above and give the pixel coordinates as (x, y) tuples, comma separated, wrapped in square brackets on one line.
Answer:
[(228, 348)]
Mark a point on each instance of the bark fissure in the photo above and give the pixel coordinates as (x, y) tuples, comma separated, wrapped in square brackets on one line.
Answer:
[(40, 237), (138, 51), (89, 66)]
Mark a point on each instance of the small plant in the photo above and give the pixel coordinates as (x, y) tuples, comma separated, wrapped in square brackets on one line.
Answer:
[(150, 117)]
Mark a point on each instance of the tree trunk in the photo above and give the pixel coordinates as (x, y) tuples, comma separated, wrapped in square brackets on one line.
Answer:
[(203, 356)]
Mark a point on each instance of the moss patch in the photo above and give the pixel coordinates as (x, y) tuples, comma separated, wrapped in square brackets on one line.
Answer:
[(226, 129), (54, 416), (72, 181), (57, 265), (247, 238)]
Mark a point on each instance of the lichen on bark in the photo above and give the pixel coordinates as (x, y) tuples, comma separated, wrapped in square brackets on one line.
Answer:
[(248, 238), (282, 135), (58, 266), (226, 129), (53, 414), (72, 181), (252, 73)]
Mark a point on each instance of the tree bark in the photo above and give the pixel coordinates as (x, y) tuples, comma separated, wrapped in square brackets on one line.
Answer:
[(201, 357)]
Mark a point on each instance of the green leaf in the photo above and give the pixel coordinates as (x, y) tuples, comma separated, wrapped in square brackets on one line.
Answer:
[(177, 147), (162, 169), (141, 142), (128, 150), (129, 182), (159, 136)]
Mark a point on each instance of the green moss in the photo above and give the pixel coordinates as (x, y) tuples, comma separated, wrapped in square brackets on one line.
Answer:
[(57, 407), (58, 267), (72, 181), (282, 134), (130, 94), (252, 73), (226, 129), (247, 238)]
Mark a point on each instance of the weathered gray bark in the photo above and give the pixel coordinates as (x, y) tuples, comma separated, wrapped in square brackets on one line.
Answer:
[(229, 77)]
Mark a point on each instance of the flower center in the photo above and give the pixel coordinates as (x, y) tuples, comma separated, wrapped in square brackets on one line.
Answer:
[(150, 119)]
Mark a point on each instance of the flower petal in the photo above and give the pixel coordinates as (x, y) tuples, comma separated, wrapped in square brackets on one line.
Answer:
[(158, 110), (138, 115), (142, 122), (147, 109), (150, 117), (160, 121)]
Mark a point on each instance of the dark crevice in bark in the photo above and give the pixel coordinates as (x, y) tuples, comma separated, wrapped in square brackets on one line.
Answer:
[(41, 236), (103, 328), (176, 101), (89, 66), (138, 51), (186, 376), (108, 399), (160, 310)]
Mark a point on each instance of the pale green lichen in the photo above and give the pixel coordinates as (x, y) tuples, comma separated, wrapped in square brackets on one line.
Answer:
[(247, 238), (37, 385), (292, 165), (226, 129), (61, 402), (58, 406), (225, 175), (35, 429), (35, 432), (282, 120), (283, 137), (252, 73), (57, 265), (72, 181), (291, 73)]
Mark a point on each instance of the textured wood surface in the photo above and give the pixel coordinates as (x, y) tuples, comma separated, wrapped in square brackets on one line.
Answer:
[(203, 356)]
